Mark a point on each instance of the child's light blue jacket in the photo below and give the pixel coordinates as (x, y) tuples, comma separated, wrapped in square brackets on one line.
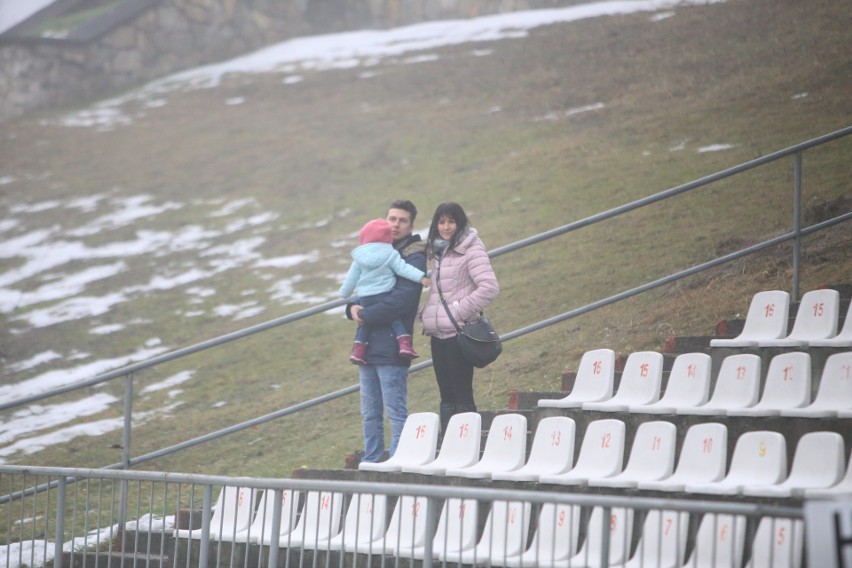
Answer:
[(374, 269)]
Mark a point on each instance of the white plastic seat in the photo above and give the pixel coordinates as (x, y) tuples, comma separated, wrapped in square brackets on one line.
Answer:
[(555, 540), (364, 524), (760, 458), (318, 523), (407, 530), (737, 386), (778, 543), (834, 393), (766, 319), (818, 463), (640, 383), (842, 339), (601, 454), (652, 456), (262, 523), (663, 541), (505, 448), (456, 532), (418, 442), (232, 514), (843, 487), (719, 542), (504, 535), (595, 377), (552, 451), (460, 447), (815, 320), (620, 534), (787, 385), (688, 385), (703, 457)]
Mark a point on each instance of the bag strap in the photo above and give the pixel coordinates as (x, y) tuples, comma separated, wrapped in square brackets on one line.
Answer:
[(444, 301)]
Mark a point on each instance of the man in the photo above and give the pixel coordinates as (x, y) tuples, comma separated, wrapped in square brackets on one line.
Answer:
[(384, 379)]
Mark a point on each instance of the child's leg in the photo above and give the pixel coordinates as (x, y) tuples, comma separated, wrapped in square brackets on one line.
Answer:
[(406, 349), (359, 346)]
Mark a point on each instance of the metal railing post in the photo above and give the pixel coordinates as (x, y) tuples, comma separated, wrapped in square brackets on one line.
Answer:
[(797, 222), (59, 534), (276, 527), (128, 421), (206, 506)]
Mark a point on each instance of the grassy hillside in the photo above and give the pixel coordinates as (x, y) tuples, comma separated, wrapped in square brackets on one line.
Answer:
[(528, 134)]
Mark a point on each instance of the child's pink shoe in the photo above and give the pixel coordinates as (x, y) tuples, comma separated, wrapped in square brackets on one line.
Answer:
[(406, 349), (359, 353)]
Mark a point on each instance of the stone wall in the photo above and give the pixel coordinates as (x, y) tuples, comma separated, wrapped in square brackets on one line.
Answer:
[(180, 34)]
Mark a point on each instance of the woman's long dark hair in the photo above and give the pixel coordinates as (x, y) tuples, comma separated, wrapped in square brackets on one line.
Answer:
[(455, 212)]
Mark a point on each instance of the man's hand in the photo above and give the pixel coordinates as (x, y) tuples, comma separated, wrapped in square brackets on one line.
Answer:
[(353, 311)]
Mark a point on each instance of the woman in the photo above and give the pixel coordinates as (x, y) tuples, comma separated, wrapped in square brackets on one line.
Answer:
[(462, 272)]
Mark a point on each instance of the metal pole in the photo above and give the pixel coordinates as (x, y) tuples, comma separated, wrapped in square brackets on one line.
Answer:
[(206, 505), (128, 421), (797, 222), (276, 526), (59, 534)]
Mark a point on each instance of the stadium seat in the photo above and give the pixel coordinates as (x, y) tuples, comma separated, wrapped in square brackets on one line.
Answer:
[(552, 451), (815, 320), (818, 463), (555, 540), (364, 524), (766, 319), (844, 487), (652, 456), (456, 532), (460, 447), (504, 535), (505, 448), (595, 378), (601, 454), (787, 385), (719, 542), (262, 523), (760, 458), (620, 535), (319, 522), (703, 456), (834, 393), (688, 386), (407, 530), (842, 339), (232, 514), (640, 383), (663, 541), (417, 444), (737, 386), (778, 543)]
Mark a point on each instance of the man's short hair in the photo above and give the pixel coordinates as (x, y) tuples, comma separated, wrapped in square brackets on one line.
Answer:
[(405, 205)]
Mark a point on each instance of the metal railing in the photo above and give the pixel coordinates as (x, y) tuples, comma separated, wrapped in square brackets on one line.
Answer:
[(794, 235), (260, 523)]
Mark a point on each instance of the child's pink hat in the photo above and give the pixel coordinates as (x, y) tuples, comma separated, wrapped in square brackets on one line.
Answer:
[(376, 231)]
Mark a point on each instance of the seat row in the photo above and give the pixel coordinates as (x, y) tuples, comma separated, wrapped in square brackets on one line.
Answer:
[(758, 464), (815, 325), (505, 539), (786, 391)]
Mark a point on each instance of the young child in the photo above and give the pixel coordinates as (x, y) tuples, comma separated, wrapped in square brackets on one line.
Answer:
[(375, 266)]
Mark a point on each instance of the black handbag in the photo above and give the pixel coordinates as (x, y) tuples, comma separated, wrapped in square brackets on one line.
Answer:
[(478, 342)]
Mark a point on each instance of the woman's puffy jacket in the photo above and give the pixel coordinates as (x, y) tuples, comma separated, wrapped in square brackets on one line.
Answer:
[(468, 283)]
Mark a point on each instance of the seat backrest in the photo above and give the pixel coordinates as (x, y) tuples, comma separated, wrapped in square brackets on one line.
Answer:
[(778, 543), (457, 527), (261, 526), (788, 381), (553, 445), (319, 521), (653, 452), (663, 540), (719, 542), (460, 447), (767, 315), (234, 512), (504, 533), (407, 527), (418, 440), (738, 382), (835, 383), (846, 331), (641, 379), (506, 444), (595, 375), (620, 533), (760, 458), (602, 452), (365, 520), (557, 535), (818, 461), (704, 453), (689, 380), (817, 315)]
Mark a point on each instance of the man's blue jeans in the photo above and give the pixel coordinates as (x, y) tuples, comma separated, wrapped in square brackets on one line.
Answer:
[(383, 388)]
